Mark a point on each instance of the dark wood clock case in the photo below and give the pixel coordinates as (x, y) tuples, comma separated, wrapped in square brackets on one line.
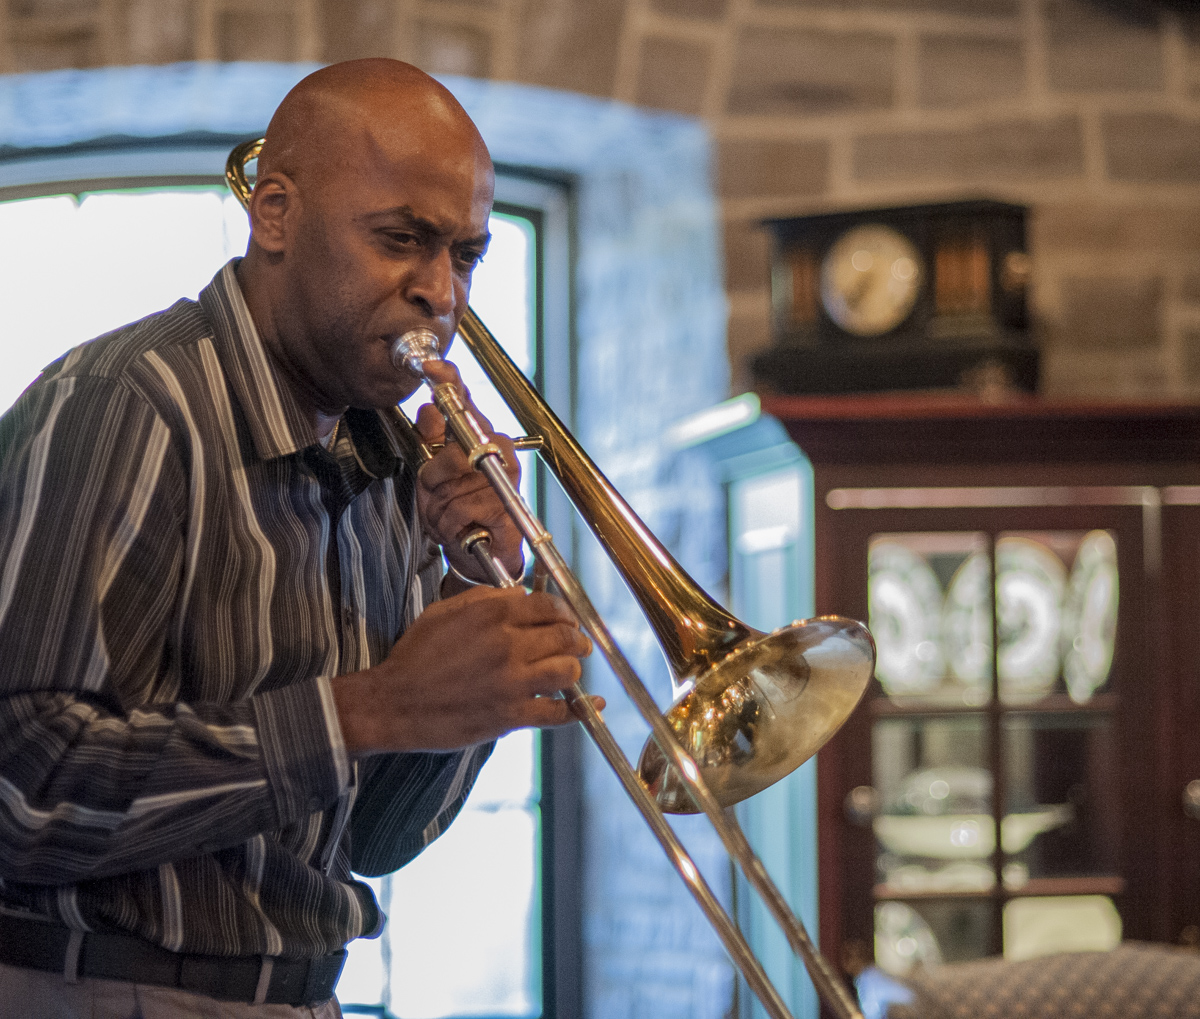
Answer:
[(968, 326)]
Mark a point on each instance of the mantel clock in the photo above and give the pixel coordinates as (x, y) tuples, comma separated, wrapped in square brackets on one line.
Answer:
[(916, 297)]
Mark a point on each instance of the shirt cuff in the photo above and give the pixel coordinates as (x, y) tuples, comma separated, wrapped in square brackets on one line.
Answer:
[(302, 745)]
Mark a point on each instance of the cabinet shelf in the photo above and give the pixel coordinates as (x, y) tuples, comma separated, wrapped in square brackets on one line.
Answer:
[(1052, 704), (1103, 884)]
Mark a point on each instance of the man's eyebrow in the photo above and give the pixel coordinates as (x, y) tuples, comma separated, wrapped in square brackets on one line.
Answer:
[(404, 215), (482, 241)]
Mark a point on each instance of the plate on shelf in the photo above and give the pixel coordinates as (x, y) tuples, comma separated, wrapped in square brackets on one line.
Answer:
[(1090, 617), (946, 789), (905, 610), (953, 877), (967, 628), (965, 836), (903, 939), (1030, 586), (956, 876), (1068, 923)]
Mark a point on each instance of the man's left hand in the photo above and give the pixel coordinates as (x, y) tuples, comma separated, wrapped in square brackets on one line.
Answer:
[(454, 498)]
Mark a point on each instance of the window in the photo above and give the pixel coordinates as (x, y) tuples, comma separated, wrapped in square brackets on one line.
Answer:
[(78, 260)]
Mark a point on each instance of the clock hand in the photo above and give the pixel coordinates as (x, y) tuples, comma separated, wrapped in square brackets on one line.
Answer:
[(855, 295)]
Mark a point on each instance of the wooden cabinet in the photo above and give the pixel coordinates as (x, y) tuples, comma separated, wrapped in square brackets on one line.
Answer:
[(1018, 774)]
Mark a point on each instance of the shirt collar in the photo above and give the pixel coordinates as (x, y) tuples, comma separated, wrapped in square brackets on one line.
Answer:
[(277, 425)]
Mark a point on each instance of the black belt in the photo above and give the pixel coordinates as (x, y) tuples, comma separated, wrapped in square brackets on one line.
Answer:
[(36, 944)]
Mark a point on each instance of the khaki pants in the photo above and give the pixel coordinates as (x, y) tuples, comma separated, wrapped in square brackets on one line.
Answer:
[(32, 994)]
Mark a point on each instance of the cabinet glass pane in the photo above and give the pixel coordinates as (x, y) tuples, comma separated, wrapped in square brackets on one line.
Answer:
[(931, 615), (934, 830), (1062, 810), (1056, 597), (930, 931)]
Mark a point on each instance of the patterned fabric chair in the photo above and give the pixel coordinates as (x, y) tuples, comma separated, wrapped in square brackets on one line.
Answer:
[(1134, 981)]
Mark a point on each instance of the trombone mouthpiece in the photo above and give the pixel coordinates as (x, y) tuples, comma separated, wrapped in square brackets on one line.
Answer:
[(414, 348)]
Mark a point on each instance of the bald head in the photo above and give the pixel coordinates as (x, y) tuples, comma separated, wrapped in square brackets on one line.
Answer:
[(334, 117)]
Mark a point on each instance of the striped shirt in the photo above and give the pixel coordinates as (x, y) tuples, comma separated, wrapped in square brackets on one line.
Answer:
[(183, 568)]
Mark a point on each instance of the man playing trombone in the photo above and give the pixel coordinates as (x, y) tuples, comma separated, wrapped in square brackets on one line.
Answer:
[(227, 675)]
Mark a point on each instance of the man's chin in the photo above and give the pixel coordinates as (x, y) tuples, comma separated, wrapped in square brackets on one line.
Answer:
[(383, 397)]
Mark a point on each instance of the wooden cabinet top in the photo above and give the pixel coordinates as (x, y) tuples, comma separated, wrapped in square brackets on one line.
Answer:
[(953, 429)]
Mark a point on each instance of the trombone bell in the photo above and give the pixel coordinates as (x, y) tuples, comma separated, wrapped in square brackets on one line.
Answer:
[(763, 710)]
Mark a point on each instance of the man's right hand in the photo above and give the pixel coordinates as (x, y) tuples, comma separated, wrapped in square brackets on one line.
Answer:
[(469, 669)]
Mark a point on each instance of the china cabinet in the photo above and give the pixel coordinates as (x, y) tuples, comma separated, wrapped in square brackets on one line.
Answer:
[(1022, 772)]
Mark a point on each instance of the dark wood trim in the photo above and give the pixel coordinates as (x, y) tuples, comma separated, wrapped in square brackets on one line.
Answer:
[(930, 407), (961, 431), (1179, 636)]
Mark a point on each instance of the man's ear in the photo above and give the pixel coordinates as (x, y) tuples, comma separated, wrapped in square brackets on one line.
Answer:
[(274, 204)]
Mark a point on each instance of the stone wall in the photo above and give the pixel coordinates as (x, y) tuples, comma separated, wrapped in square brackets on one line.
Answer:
[(1087, 110)]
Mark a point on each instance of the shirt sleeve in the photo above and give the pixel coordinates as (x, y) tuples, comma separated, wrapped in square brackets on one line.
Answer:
[(405, 801), (101, 770)]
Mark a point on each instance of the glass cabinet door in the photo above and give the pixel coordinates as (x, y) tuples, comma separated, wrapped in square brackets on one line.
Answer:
[(993, 796)]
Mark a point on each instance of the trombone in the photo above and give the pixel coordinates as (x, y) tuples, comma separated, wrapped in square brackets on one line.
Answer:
[(751, 707)]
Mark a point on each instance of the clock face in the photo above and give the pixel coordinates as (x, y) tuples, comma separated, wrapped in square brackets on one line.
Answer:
[(870, 279)]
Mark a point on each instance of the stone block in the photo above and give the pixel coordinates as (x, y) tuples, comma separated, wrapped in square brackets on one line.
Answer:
[(1111, 226), (1152, 148), (811, 72), (1189, 286), (1071, 373), (1191, 54), (976, 8), (570, 45), (1092, 50), (672, 75), (159, 31), (1003, 151), (358, 28), (709, 9), (71, 49), (965, 70), (747, 256), (772, 169), (256, 35), (49, 8), (453, 49), (1110, 313)]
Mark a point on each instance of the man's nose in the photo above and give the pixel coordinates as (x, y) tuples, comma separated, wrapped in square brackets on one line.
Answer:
[(433, 285)]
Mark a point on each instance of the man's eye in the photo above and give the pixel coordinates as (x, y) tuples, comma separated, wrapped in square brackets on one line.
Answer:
[(403, 239), (469, 259)]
